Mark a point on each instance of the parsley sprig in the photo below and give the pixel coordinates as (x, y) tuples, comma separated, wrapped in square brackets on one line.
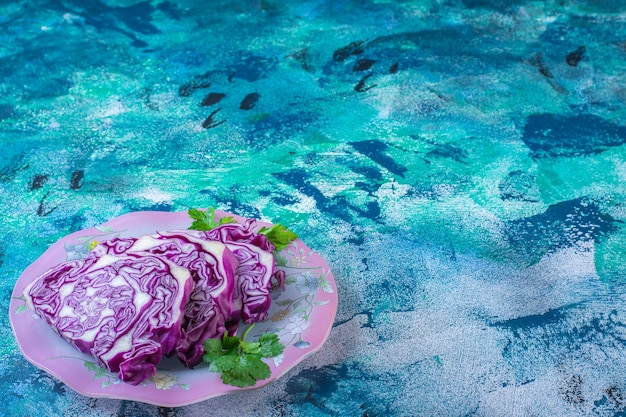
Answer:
[(205, 220), (279, 235), (241, 362)]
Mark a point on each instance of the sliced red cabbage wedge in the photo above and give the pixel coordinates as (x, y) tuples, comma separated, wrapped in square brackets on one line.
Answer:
[(124, 310), (256, 269), (253, 279)]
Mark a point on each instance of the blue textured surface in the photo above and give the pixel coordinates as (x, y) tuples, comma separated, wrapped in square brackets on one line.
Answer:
[(460, 164)]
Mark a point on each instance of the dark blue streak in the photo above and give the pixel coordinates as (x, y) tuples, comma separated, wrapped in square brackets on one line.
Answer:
[(337, 206), (375, 150), (553, 136), (562, 225)]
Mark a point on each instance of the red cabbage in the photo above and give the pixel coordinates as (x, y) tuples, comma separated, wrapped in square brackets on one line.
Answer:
[(133, 300), (212, 267), (244, 233), (125, 311), (256, 269)]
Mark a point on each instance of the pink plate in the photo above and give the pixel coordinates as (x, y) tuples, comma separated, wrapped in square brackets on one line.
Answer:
[(302, 314)]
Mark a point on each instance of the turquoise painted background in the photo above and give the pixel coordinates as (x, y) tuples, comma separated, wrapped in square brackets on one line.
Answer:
[(460, 164)]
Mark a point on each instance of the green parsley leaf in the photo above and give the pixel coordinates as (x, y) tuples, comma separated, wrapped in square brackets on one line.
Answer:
[(251, 347), (224, 363), (239, 377), (247, 371), (212, 349), (255, 367), (279, 235), (205, 220), (230, 342), (240, 362), (270, 346)]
